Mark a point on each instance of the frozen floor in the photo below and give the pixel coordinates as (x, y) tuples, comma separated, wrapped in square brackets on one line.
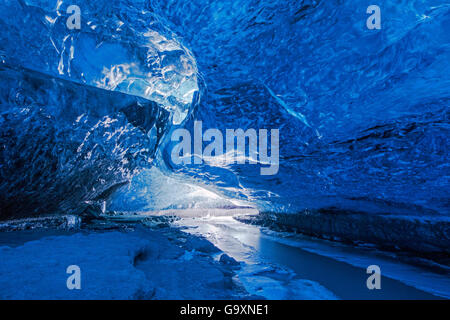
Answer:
[(283, 266), (166, 263), (138, 264)]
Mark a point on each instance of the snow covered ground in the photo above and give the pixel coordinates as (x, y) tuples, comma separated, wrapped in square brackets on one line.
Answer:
[(139, 264), (37, 269), (208, 256)]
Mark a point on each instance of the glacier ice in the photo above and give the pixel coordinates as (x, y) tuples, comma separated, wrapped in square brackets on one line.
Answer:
[(363, 114), (65, 145), (83, 110), (120, 47)]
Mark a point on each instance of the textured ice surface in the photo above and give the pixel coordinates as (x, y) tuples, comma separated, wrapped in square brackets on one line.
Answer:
[(65, 145), (172, 192), (82, 111), (363, 114), (120, 46)]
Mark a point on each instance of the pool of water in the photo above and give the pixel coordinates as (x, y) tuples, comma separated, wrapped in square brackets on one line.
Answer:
[(270, 258)]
